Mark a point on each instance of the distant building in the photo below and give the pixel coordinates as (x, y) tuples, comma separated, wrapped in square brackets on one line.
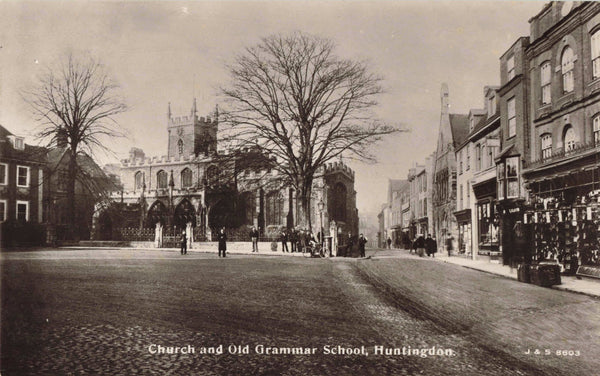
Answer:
[(453, 130), (398, 195), (420, 178)]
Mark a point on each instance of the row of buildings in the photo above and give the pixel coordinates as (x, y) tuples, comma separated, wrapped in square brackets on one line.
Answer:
[(519, 177)]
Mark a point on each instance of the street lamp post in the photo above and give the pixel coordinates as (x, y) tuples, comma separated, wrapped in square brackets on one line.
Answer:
[(320, 206)]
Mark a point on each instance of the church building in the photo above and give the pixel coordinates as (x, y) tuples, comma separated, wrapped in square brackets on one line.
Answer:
[(197, 184)]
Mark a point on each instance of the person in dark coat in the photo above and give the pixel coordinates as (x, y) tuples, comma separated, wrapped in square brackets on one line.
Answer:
[(430, 246), (183, 241), (284, 239), (254, 238), (302, 241), (420, 245), (362, 242), (222, 238), (349, 245), (294, 240), (449, 245)]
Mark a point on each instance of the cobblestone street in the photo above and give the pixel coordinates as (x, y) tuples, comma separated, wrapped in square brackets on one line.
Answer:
[(97, 313)]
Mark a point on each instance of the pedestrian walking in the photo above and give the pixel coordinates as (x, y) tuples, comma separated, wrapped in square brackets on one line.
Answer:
[(183, 242), (430, 246), (254, 239), (362, 242), (222, 238), (420, 245), (449, 245), (284, 239), (389, 243)]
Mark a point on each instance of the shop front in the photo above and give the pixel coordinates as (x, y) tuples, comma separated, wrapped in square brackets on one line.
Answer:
[(486, 219), (565, 218), (463, 218)]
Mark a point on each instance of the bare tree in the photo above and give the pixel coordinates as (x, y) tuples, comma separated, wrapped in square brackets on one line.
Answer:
[(75, 104), (292, 98)]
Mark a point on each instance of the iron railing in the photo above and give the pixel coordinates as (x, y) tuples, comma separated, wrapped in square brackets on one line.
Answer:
[(560, 154)]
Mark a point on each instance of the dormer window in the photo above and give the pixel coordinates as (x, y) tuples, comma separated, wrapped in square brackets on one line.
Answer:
[(472, 124), (17, 142)]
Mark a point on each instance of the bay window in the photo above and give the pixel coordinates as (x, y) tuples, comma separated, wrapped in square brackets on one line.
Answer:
[(508, 175)]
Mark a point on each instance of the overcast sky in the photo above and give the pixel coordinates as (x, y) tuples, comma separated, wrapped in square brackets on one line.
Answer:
[(162, 52)]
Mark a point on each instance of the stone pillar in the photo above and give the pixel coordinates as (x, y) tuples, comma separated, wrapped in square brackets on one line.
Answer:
[(189, 232), (158, 236), (334, 238)]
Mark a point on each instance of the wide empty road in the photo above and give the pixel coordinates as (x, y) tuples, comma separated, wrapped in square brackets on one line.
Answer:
[(107, 312)]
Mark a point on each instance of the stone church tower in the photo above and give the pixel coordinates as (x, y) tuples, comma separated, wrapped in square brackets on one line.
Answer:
[(191, 135)]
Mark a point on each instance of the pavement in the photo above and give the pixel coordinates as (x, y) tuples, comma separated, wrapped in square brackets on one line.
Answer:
[(586, 286)]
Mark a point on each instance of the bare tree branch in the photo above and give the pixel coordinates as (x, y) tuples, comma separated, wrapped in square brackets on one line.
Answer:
[(75, 104), (292, 98)]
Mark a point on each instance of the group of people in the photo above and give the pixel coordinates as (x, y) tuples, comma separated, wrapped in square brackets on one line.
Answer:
[(298, 238), (361, 241), (422, 245)]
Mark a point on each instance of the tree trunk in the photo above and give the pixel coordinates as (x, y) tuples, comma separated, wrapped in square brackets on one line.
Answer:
[(72, 232), (303, 197)]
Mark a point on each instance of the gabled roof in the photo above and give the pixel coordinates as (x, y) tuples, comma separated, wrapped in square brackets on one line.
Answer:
[(4, 132), (459, 124)]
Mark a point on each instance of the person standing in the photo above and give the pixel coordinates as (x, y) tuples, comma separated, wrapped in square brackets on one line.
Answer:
[(430, 246), (362, 242), (284, 238), (222, 238), (294, 239), (349, 246), (420, 245), (449, 245), (303, 240), (183, 242), (389, 243), (254, 238)]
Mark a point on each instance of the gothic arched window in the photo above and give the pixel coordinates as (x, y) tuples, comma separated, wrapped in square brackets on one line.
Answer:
[(139, 180), (162, 179), (274, 212), (186, 178)]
